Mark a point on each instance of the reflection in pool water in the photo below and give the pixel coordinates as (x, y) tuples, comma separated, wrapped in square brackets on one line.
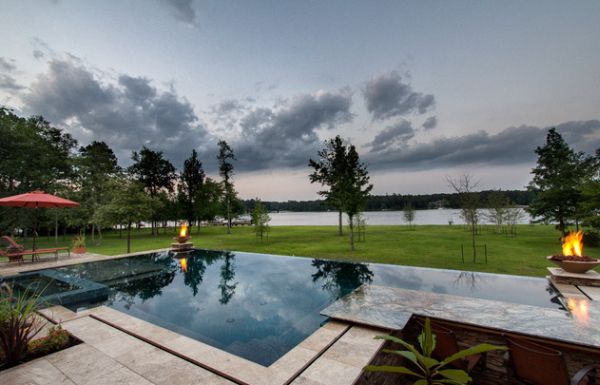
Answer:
[(260, 306)]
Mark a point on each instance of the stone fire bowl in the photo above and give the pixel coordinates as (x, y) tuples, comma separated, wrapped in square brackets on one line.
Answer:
[(576, 267)]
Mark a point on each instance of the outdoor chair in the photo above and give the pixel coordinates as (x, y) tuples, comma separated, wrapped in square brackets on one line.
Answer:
[(535, 364), (446, 345), (15, 252)]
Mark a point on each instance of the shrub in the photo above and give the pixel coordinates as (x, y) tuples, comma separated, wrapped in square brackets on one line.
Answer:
[(56, 339)]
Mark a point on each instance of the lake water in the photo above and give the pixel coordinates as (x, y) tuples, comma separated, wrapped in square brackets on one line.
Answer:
[(422, 217)]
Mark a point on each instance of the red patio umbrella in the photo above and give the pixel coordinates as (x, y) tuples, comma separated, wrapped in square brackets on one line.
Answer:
[(37, 199)]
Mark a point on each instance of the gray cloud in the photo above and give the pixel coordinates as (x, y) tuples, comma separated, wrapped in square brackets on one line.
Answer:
[(286, 135), (7, 65), (387, 96), (126, 115), (8, 82), (430, 123), (228, 107), (394, 136), (513, 145), (182, 10)]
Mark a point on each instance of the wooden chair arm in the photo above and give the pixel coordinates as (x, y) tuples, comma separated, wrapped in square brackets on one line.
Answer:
[(582, 374)]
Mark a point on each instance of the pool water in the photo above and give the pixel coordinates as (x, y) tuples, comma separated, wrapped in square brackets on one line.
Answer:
[(260, 306)]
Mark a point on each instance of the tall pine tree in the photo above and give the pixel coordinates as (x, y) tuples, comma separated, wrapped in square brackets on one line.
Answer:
[(557, 181), (191, 182)]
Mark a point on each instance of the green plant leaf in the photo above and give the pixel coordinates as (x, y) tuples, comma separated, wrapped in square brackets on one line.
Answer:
[(427, 339), (457, 375), (429, 362), (482, 348), (420, 382), (392, 369), (404, 353), (403, 343)]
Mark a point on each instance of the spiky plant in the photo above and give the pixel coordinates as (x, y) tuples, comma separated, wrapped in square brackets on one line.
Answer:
[(18, 323)]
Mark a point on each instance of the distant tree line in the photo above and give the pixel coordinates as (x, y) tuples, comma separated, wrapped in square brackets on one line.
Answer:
[(399, 201)]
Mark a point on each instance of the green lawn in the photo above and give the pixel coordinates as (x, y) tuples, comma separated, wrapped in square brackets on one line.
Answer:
[(432, 246)]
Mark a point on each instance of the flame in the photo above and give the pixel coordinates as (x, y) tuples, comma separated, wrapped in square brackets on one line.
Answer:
[(183, 231), (572, 244), (579, 309), (183, 263)]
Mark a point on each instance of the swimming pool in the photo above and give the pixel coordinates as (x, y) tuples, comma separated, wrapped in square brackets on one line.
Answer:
[(255, 306)]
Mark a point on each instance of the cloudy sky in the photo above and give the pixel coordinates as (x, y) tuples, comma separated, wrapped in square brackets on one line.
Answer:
[(424, 89)]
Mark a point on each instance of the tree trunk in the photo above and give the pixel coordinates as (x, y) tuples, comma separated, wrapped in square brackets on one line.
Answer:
[(55, 228), (473, 233), (93, 233), (129, 238), (561, 226), (228, 216), (340, 233), (351, 226)]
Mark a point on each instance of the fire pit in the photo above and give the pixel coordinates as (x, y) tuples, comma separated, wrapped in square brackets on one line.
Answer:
[(572, 260), (182, 239)]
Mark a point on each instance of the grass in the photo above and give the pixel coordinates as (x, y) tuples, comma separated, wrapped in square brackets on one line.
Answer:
[(427, 245)]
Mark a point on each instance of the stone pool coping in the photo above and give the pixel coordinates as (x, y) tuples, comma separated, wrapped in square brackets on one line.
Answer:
[(391, 308), (321, 359)]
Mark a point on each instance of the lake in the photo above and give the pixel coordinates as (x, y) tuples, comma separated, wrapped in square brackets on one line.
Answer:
[(422, 217)]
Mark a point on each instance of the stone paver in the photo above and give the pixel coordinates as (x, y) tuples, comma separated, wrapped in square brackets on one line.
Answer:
[(154, 365), (37, 372)]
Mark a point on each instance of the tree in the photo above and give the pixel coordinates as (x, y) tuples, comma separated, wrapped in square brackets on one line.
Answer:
[(469, 202), (354, 188), (224, 158), (154, 172), (130, 204), (210, 196), (409, 214), (261, 219), (558, 180), (190, 188), (96, 165), (33, 155), (591, 194), (328, 171), (497, 209)]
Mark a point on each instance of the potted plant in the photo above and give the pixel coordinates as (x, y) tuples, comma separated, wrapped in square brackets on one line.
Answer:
[(78, 244), (426, 370)]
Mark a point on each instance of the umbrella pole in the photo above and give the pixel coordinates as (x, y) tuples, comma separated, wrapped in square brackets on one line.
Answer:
[(35, 223), (55, 227)]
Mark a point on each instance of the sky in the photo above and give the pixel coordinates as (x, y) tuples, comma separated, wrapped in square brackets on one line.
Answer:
[(425, 90)]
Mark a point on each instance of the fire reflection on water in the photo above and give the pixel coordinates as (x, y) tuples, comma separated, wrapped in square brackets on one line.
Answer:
[(579, 308)]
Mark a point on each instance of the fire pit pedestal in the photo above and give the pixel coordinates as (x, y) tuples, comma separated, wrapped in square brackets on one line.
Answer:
[(589, 278), (180, 247)]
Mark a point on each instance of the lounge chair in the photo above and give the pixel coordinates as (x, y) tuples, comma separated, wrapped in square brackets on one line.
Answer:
[(532, 363), (15, 252), (446, 345)]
